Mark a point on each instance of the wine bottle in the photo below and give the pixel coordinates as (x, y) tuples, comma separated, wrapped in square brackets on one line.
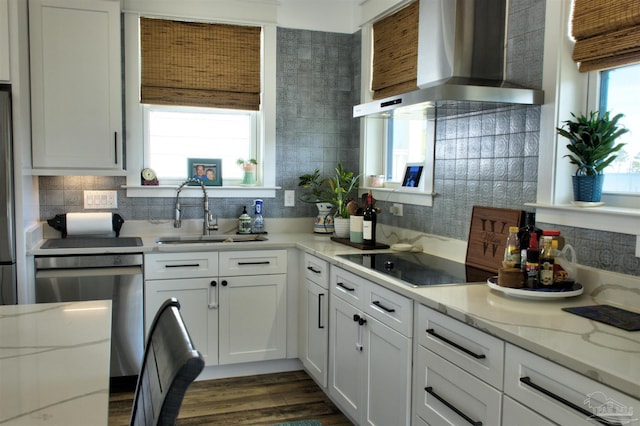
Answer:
[(369, 223), (524, 235)]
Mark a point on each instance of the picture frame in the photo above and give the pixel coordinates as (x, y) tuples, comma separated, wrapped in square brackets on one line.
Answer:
[(412, 176), (206, 170)]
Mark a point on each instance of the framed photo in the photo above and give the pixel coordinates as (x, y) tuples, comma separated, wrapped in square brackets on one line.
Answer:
[(206, 170), (412, 175)]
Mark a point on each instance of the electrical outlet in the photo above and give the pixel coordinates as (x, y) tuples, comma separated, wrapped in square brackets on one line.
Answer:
[(396, 209), (289, 198), (100, 199)]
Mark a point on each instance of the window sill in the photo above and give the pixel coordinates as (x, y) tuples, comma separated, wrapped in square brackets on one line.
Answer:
[(400, 195), (196, 191), (604, 218)]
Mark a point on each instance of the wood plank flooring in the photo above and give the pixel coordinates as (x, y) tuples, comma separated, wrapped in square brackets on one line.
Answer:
[(253, 400)]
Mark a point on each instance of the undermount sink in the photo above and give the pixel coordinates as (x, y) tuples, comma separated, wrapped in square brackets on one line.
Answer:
[(204, 239)]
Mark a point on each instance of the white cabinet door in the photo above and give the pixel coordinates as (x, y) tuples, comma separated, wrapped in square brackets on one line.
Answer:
[(5, 64), (346, 361), (388, 378), (315, 344), (76, 85), (197, 297), (253, 318)]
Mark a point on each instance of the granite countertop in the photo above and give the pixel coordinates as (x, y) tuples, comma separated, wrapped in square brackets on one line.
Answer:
[(54, 363), (604, 353)]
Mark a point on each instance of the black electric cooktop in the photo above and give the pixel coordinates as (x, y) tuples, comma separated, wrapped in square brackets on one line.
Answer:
[(418, 269)]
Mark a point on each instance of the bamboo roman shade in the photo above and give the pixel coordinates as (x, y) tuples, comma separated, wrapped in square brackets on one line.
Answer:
[(607, 33), (395, 53), (200, 64)]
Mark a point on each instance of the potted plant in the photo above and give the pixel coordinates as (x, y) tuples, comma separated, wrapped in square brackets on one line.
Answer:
[(331, 196), (249, 169), (592, 146)]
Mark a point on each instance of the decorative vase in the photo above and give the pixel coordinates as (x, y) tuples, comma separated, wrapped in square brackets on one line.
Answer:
[(324, 219), (341, 226), (588, 188), (249, 177)]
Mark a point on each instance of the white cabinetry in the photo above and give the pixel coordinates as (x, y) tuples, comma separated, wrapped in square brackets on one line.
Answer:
[(5, 64), (253, 314), (314, 318), (561, 395), (76, 86), (458, 372), (192, 278), (370, 335)]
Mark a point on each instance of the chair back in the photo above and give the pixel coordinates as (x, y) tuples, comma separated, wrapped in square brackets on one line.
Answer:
[(171, 363)]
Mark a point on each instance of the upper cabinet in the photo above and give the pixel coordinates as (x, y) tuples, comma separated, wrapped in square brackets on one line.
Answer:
[(76, 86), (5, 69)]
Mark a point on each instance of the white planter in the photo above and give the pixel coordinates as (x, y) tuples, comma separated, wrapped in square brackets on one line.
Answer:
[(341, 226)]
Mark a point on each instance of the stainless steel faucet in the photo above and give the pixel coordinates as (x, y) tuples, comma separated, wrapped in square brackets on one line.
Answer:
[(207, 225)]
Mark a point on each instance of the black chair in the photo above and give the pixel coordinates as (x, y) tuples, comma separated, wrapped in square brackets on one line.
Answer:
[(170, 365)]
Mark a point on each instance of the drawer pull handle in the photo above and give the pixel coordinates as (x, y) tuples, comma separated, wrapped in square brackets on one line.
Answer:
[(381, 306), (341, 285), (266, 262), (430, 391), (184, 265), (590, 415), (314, 270), (455, 345), (320, 296)]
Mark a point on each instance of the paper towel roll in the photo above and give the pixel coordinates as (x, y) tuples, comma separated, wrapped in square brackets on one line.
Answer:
[(89, 223)]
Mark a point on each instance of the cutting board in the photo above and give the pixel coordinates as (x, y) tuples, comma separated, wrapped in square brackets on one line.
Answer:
[(488, 236)]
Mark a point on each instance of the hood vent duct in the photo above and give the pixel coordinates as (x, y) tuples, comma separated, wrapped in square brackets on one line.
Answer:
[(461, 60)]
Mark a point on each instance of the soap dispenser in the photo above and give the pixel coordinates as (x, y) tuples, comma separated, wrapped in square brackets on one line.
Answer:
[(244, 222)]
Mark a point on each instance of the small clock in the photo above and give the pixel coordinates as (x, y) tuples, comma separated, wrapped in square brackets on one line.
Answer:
[(149, 177)]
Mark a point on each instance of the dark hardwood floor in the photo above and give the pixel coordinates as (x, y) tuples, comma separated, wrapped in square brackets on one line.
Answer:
[(253, 400)]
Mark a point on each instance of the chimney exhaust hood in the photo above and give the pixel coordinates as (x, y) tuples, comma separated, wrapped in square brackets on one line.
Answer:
[(461, 60)]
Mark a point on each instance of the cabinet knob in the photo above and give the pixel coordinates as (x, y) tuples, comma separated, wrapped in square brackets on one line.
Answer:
[(224, 283), (213, 283), (356, 317)]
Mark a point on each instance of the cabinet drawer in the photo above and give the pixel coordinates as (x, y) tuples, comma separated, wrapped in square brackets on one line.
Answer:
[(470, 349), (257, 262), (445, 394), (180, 265), (349, 287), (562, 395), (392, 309), (516, 414), (316, 270)]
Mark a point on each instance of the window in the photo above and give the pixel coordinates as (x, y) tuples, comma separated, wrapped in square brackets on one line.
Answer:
[(174, 134), (619, 92), (406, 143)]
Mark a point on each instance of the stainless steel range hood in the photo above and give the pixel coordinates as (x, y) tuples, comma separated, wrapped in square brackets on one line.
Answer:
[(461, 60)]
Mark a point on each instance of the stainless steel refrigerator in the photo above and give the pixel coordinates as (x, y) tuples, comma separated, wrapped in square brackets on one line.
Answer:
[(8, 288)]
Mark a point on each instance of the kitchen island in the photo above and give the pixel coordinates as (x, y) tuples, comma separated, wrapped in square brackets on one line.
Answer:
[(54, 363)]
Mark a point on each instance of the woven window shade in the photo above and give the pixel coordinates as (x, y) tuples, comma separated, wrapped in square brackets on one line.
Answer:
[(607, 33), (395, 53), (199, 64)]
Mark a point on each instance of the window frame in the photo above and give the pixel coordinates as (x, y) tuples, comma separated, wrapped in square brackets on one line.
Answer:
[(135, 132), (566, 90), (147, 108)]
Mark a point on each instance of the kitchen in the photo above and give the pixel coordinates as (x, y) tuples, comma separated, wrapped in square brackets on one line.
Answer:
[(39, 198)]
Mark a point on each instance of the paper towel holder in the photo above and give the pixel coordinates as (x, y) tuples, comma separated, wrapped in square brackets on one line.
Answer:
[(59, 223)]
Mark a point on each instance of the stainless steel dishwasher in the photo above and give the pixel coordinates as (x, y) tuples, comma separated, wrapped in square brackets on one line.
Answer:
[(115, 277)]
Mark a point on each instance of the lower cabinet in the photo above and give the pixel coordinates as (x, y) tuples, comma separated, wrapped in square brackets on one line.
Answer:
[(233, 303), (516, 414), (369, 361), (315, 351)]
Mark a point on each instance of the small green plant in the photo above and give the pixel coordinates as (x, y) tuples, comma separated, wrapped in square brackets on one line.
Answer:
[(335, 190), (242, 162), (592, 141)]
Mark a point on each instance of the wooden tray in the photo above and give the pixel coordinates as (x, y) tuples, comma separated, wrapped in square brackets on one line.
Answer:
[(488, 236), (360, 246)]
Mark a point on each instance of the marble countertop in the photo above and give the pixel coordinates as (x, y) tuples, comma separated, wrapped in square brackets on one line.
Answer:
[(50, 377), (604, 353)]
